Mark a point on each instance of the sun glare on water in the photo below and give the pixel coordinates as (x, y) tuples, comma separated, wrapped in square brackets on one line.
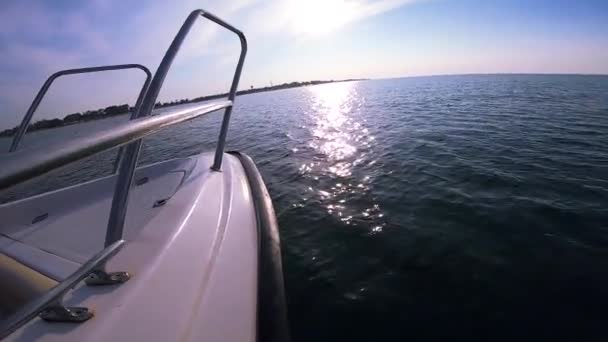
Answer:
[(320, 16)]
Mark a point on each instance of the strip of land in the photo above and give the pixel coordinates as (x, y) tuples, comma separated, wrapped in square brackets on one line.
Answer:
[(123, 109)]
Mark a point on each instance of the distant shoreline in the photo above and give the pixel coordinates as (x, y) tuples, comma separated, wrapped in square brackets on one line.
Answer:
[(111, 111)]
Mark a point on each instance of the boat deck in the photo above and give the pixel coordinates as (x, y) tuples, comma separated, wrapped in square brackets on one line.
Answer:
[(191, 235)]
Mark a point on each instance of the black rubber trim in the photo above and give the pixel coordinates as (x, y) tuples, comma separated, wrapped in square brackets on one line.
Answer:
[(272, 306)]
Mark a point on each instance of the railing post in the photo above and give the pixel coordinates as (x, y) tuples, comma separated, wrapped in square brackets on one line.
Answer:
[(221, 141), (127, 165), (134, 115), (118, 211)]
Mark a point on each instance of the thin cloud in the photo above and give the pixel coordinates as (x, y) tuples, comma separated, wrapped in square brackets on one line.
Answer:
[(299, 17)]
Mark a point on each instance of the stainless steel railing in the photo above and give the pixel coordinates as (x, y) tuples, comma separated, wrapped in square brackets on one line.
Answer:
[(25, 122), (128, 163), (20, 166)]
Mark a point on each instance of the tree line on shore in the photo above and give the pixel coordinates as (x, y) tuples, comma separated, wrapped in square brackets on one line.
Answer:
[(115, 110)]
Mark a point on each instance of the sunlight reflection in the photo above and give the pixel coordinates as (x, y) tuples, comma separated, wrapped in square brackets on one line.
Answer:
[(341, 155), (333, 135)]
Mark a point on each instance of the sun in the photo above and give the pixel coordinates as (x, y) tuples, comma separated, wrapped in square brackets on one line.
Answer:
[(316, 17)]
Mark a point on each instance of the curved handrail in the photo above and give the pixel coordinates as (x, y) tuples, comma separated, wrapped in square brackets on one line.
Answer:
[(126, 170), (49, 81), (221, 142)]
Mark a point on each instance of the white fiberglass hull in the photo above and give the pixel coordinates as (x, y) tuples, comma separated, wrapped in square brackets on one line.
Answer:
[(199, 250)]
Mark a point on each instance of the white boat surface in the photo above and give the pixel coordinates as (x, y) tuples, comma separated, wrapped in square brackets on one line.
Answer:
[(190, 252)]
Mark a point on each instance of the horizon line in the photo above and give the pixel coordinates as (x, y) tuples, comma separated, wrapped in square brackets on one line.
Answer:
[(492, 73)]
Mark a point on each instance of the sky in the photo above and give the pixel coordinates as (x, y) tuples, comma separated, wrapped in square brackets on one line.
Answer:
[(289, 40)]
